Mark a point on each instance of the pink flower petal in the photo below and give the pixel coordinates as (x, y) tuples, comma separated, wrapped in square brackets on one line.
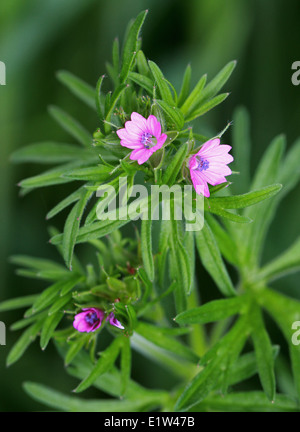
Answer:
[(154, 126), (138, 135), (138, 119), (134, 130), (209, 165), (209, 145)]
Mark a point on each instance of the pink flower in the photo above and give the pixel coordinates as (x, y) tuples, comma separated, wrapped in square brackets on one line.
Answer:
[(89, 320), (143, 136), (209, 165), (113, 321)]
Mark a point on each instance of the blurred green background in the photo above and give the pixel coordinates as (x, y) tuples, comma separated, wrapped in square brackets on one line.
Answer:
[(39, 38)]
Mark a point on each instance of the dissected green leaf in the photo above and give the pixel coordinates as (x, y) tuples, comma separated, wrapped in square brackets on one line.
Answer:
[(71, 228), (131, 45), (146, 247), (245, 200), (50, 152), (192, 101), (105, 362), (264, 354), (61, 402), (98, 173), (81, 89), (17, 303), (211, 259), (142, 81), (218, 82), (221, 358), (185, 87), (155, 335), (23, 342), (242, 147), (164, 89), (172, 112), (207, 106), (213, 311), (125, 365), (287, 262), (49, 326), (75, 129), (175, 166), (246, 402)]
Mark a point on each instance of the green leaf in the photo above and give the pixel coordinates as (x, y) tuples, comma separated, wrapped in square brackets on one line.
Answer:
[(108, 382), (233, 217), (114, 99), (50, 152), (225, 242), (146, 247), (245, 200), (287, 262), (70, 199), (78, 87), (163, 87), (285, 311), (49, 326), (267, 170), (37, 263), (93, 231), (246, 402), (207, 106), (23, 342), (246, 366), (75, 129), (116, 55), (142, 64), (74, 349), (157, 336), (61, 402), (192, 101), (213, 311), (186, 84), (143, 81), (125, 364), (49, 295), (99, 105), (60, 303), (220, 357), (218, 82), (242, 147), (251, 238), (105, 362), (49, 178), (173, 169), (98, 173), (264, 354), (131, 45), (180, 265), (17, 303), (212, 261), (71, 228), (172, 112)]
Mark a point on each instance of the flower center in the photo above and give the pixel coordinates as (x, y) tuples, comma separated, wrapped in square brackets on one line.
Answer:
[(146, 140), (203, 164), (91, 318)]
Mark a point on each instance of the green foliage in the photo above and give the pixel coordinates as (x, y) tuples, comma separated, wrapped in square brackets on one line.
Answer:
[(147, 279)]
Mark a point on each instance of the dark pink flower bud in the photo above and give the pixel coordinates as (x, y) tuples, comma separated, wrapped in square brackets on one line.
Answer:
[(89, 320)]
